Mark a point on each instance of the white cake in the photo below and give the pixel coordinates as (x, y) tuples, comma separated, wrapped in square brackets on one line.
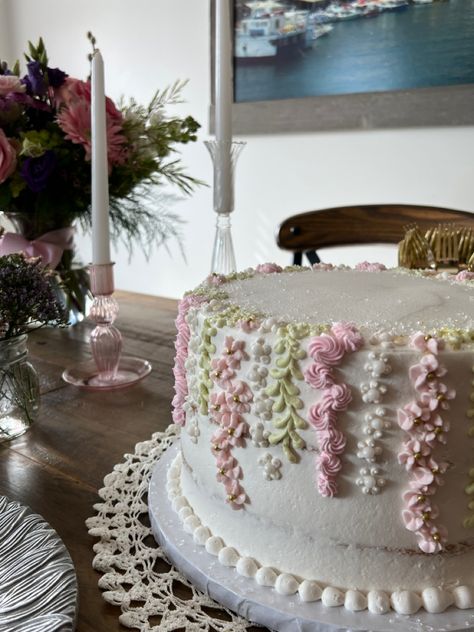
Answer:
[(328, 433)]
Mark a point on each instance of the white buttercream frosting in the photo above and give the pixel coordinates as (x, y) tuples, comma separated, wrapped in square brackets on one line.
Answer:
[(351, 550)]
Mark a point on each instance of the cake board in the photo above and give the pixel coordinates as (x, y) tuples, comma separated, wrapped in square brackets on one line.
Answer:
[(263, 605)]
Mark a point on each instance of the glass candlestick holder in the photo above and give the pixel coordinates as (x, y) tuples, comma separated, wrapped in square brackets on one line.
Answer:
[(108, 370), (224, 159)]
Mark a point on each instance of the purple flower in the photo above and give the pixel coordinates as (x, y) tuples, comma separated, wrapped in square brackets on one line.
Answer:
[(34, 80), (36, 171), (56, 77)]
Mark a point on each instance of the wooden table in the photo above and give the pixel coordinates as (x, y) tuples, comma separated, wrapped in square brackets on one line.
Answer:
[(57, 467)]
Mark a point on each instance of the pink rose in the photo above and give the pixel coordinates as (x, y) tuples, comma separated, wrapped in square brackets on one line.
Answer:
[(9, 84), (7, 157), (329, 464), (326, 349), (319, 376), (340, 396), (332, 441), (268, 268), (348, 335)]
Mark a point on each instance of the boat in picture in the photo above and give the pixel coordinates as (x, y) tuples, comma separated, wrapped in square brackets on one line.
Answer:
[(270, 31), (320, 30)]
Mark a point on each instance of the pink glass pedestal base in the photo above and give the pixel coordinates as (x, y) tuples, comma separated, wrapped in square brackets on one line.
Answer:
[(85, 375)]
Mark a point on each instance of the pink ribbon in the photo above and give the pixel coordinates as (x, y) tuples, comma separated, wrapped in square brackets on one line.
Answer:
[(49, 247)]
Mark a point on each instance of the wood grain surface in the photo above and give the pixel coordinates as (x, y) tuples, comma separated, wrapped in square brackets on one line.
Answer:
[(57, 467)]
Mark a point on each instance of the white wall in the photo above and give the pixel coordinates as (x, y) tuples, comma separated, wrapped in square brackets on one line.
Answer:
[(150, 43)]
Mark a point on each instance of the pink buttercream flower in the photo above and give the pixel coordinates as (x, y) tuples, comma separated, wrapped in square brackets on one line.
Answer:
[(268, 268), (413, 416), (239, 396), (332, 441), (425, 342), (432, 539), (439, 398), (9, 84), (424, 374), (416, 499), (248, 325), (220, 442), (340, 396), (215, 279), (365, 266), (326, 349), (218, 406), (413, 453), (435, 430), (325, 267), (464, 275), (348, 335), (7, 157), (329, 464), (227, 469), (321, 418), (221, 372), (235, 352), (327, 487), (319, 376), (236, 496)]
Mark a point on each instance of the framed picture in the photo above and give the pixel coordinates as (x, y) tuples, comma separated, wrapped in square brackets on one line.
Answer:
[(309, 65)]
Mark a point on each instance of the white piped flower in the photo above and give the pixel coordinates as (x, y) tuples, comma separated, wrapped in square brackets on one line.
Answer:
[(261, 351), (370, 482), (271, 466), (378, 365), (373, 392), (368, 450), (258, 376), (259, 435)]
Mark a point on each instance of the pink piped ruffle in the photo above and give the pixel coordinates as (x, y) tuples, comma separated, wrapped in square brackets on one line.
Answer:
[(327, 351), (181, 346)]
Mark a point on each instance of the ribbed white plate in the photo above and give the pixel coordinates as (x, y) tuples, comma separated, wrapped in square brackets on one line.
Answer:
[(264, 605), (38, 586)]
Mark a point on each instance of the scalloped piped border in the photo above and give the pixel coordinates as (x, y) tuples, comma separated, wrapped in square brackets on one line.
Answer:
[(434, 600)]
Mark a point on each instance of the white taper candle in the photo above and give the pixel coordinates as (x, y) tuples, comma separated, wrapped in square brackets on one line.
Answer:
[(100, 176), (223, 101)]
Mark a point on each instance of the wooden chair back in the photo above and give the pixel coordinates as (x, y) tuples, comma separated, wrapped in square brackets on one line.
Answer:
[(351, 225)]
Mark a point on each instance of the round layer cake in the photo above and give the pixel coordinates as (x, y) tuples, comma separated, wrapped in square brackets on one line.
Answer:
[(328, 432)]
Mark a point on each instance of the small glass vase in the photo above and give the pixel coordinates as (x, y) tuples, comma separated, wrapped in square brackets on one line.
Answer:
[(223, 256), (19, 389)]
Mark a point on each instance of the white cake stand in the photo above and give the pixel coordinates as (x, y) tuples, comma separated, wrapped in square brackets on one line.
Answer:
[(263, 605)]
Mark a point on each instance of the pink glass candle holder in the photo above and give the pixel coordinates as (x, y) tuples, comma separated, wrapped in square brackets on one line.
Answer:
[(109, 370)]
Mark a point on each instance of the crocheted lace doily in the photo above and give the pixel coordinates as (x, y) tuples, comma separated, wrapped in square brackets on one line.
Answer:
[(136, 576)]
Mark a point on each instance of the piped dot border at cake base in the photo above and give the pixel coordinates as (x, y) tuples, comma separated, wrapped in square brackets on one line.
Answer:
[(433, 600)]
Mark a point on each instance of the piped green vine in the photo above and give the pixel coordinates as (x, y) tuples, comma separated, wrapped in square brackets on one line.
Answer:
[(206, 350), (469, 489), (287, 402)]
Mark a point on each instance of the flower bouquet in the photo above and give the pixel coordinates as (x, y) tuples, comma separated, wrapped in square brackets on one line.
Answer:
[(45, 170), (27, 301)]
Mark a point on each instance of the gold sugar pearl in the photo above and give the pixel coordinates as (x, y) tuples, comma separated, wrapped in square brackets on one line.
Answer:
[(216, 407), (228, 351), (217, 374), (421, 498), (236, 399), (436, 537), (426, 515), (426, 338), (417, 421), (216, 448), (435, 470), (438, 431), (440, 397), (230, 431), (417, 456), (222, 471), (231, 497), (430, 376)]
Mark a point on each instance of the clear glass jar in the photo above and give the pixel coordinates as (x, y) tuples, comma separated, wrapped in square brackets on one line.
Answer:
[(19, 389)]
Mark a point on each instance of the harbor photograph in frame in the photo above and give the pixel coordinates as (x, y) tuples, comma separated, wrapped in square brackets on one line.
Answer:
[(313, 48)]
